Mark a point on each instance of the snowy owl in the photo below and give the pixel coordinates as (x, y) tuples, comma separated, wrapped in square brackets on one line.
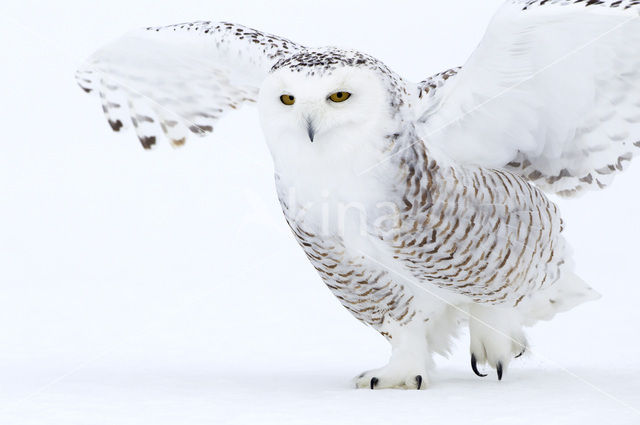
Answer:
[(420, 205)]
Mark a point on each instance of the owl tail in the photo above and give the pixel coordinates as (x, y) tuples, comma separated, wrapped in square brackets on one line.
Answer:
[(568, 292)]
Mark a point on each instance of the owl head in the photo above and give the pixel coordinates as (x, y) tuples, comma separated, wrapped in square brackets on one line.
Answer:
[(328, 104)]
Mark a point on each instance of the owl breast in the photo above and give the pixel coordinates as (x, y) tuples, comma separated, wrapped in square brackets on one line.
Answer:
[(336, 237)]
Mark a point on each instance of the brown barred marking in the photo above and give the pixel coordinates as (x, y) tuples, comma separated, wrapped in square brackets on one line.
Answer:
[(486, 254), (429, 86), (620, 4)]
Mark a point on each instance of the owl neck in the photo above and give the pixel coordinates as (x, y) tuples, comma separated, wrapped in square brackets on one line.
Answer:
[(386, 171)]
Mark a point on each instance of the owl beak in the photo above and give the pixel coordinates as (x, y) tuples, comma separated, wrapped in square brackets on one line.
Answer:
[(311, 131)]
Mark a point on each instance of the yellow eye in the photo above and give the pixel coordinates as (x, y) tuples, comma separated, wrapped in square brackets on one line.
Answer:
[(287, 99), (339, 96)]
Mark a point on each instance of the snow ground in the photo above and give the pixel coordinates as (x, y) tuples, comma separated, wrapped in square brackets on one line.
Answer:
[(164, 288)]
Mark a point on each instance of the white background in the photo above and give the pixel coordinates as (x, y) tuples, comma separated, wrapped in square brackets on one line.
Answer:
[(165, 288)]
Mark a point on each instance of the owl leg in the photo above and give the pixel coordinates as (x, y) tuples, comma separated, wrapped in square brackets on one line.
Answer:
[(496, 337), (409, 363)]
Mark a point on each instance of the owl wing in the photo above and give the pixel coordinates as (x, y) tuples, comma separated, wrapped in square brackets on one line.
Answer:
[(180, 79), (552, 93)]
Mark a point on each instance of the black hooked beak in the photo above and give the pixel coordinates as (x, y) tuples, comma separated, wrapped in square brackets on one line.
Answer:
[(310, 130)]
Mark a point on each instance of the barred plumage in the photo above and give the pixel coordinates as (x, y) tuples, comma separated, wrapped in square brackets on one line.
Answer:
[(420, 205), (487, 234)]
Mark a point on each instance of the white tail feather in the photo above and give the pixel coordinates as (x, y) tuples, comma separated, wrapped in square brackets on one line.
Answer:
[(568, 292)]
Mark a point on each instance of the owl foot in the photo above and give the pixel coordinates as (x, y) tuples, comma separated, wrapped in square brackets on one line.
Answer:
[(496, 338), (407, 368), (382, 378), (410, 358)]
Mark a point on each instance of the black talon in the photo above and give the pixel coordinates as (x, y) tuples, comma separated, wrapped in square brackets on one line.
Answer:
[(374, 382), (474, 366), (499, 370), (419, 380), (521, 353)]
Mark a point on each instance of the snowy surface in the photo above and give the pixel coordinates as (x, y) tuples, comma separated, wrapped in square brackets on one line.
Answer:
[(164, 287)]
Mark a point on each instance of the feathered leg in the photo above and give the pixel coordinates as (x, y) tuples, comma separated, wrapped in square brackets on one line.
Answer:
[(412, 347), (496, 337)]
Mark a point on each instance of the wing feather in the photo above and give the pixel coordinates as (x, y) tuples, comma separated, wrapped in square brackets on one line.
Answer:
[(173, 81), (552, 93)]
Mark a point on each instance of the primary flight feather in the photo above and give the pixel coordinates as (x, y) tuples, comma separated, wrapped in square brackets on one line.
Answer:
[(418, 204)]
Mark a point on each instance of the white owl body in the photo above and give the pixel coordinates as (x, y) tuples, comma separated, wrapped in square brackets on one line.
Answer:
[(414, 202)]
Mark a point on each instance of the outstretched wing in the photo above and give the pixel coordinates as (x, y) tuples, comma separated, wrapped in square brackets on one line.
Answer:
[(180, 79), (552, 93)]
